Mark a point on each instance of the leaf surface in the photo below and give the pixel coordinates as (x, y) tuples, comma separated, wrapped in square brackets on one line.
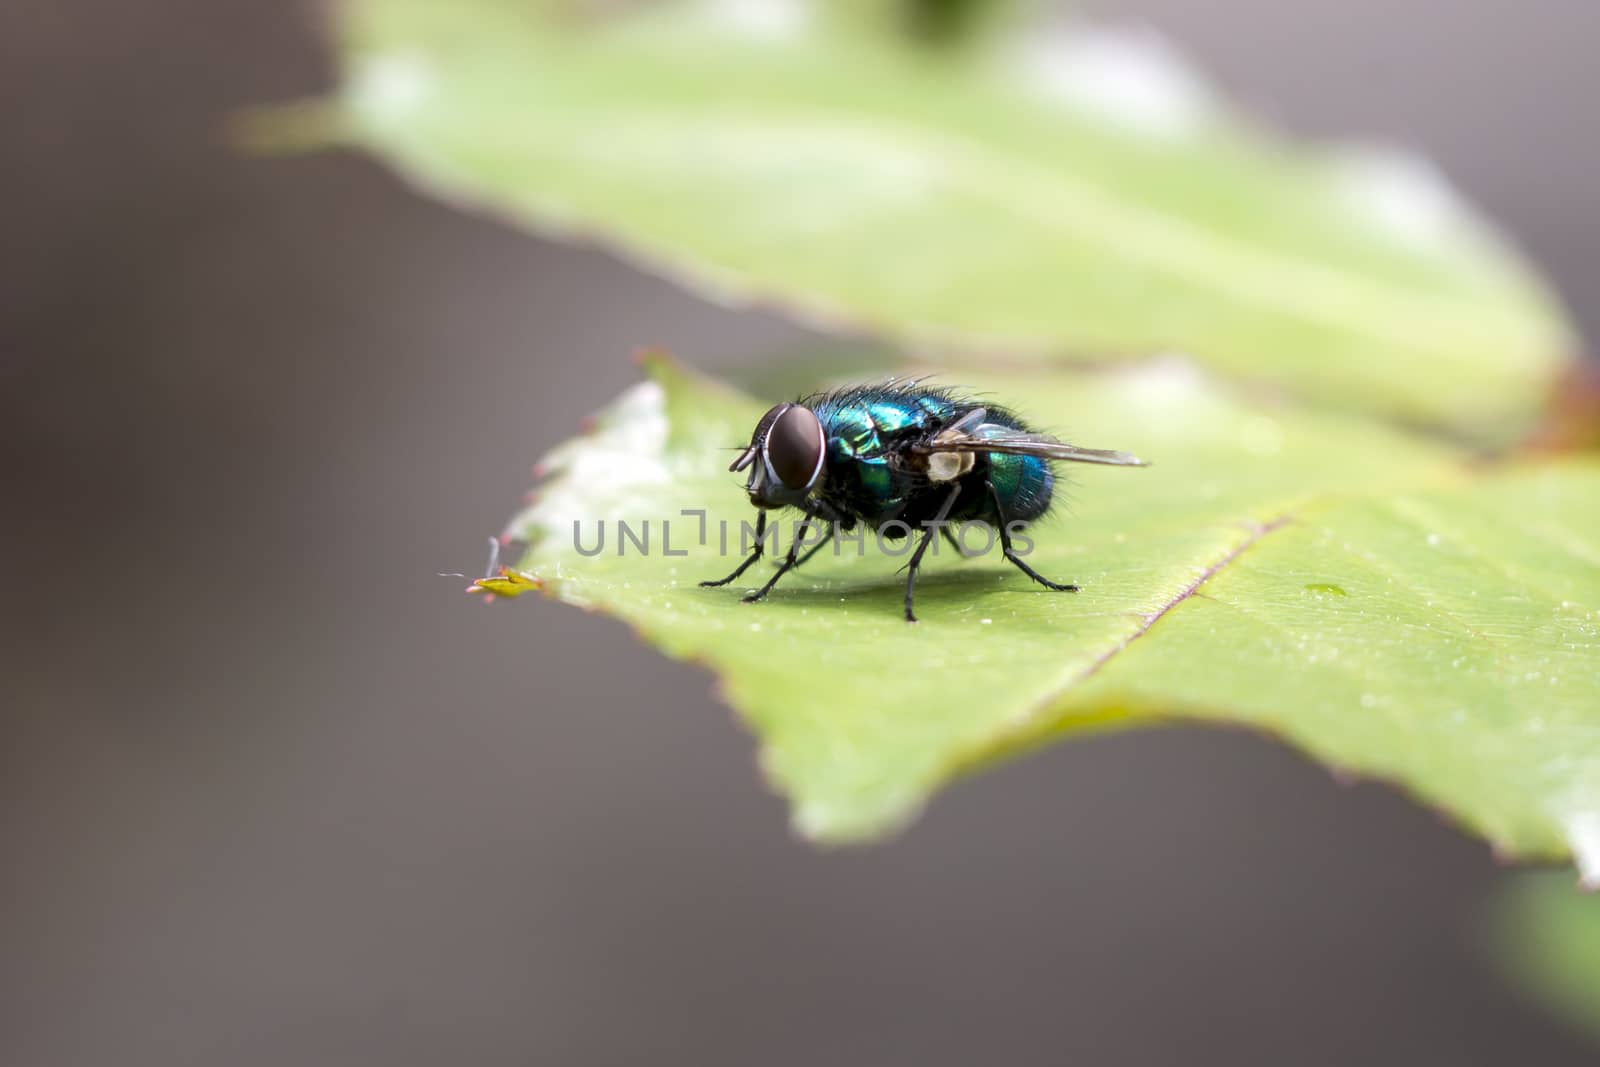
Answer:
[(1362, 592)]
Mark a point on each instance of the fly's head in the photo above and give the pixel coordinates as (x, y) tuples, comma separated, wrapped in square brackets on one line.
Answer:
[(785, 457)]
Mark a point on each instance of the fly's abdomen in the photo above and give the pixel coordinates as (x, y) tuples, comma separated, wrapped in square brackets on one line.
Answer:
[(1023, 484)]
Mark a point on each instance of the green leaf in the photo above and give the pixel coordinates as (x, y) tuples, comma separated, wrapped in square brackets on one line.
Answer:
[(1058, 197), (1548, 936), (1363, 593)]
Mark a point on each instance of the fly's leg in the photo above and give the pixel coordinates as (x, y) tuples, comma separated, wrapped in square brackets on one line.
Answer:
[(1005, 544), (948, 536), (789, 563), (761, 544), (818, 547), (922, 546)]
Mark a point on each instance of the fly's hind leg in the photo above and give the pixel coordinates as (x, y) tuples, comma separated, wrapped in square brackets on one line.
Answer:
[(1016, 560)]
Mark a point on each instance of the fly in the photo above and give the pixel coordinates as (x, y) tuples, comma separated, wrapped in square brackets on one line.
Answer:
[(902, 458)]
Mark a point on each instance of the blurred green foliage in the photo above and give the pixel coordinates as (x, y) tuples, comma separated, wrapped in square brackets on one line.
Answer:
[(1049, 196), (1548, 936)]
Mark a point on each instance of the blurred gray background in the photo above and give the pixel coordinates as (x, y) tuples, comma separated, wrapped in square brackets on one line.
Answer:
[(271, 792)]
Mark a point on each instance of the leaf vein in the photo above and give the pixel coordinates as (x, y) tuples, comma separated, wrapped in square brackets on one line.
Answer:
[(1147, 621)]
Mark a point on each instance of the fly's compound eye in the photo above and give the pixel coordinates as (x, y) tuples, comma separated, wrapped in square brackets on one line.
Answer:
[(794, 447), (748, 456)]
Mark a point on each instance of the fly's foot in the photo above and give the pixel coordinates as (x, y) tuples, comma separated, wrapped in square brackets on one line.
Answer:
[(1058, 587)]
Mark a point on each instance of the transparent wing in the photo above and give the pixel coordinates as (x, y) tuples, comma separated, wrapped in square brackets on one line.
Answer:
[(988, 437)]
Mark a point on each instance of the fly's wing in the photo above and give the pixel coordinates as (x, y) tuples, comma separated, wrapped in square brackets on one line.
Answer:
[(989, 437)]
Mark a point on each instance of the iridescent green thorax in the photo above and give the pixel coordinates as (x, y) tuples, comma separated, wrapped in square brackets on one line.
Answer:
[(863, 427), (866, 420), (867, 429)]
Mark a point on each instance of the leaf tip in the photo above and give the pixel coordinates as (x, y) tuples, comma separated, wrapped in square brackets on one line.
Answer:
[(507, 584)]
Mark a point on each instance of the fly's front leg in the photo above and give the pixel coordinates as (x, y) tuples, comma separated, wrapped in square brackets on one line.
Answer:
[(922, 546), (818, 547), (1005, 545), (761, 544), (789, 563)]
